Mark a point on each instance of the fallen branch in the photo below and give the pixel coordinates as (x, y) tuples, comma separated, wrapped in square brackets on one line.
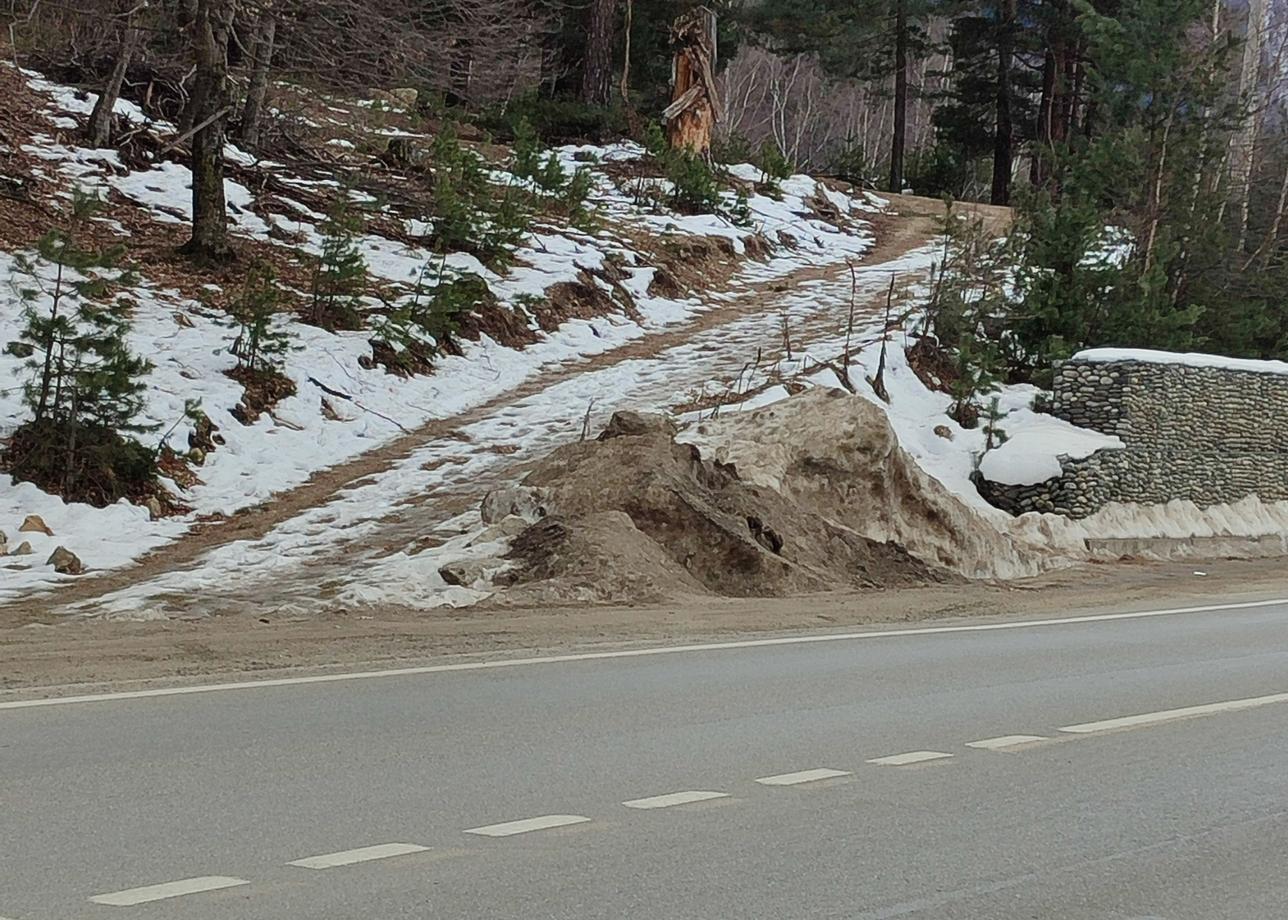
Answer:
[(330, 391), (191, 131)]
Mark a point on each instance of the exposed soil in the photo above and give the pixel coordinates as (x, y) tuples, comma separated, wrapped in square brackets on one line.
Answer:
[(264, 389), (634, 515), (77, 657), (910, 224)]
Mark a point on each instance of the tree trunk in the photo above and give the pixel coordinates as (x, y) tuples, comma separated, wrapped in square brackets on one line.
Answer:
[(1043, 145), (1244, 141), (597, 78), (100, 120), (626, 54), (1004, 131), (1272, 238), (899, 139), (695, 107), (461, 67), (1156, 191), (210, 31), (257, 91)]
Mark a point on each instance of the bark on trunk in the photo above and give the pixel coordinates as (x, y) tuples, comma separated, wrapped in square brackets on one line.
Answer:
[(1004, 131), (1244, 141), (1043, 145), (695, 107), (899, 139), (1272, 238), (597, 78), (210, 31), (100, 120), (257, 91)]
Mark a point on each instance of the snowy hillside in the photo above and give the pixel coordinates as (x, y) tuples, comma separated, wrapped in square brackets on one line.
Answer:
[(344, 406)]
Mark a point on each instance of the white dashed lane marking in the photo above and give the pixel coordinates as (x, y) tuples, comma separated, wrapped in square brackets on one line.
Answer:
[(675, 798), (360, 855), (804, 776), (133, 896), (1170, 715), (527, 825), (1004, 743), (912, 757)]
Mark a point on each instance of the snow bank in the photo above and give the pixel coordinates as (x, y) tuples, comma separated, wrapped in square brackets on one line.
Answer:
[(1032, 454)]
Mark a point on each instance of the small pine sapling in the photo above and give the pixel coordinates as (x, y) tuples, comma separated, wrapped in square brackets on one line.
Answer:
[(260, 345), (425, 325), (85, 387), (775, 168), (527, 150), (976, 377), (994, 435), (340, 276)]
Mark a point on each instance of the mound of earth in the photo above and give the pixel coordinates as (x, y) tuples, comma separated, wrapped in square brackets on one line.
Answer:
[(834, 455), (635, 516)]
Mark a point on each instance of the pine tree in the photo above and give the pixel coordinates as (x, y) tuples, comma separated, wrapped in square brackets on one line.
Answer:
[(340, 277), (85, 388), (260, 344), (421, 327)]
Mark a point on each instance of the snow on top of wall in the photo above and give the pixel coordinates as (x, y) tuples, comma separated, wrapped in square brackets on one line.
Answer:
[(1149, 356), (1032, 455)]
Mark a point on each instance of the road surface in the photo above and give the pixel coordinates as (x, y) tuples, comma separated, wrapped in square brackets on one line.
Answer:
[(1040, 770)]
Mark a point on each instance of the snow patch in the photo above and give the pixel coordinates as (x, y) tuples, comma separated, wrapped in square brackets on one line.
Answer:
[(1032, 455), (1148, 356)]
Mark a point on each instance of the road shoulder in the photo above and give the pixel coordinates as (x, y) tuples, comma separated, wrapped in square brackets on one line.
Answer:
[(68, 658)]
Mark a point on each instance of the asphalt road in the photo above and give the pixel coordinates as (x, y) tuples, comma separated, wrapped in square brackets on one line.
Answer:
[(272, 797)]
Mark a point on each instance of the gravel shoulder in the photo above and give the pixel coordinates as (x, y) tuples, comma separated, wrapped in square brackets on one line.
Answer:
[(48, 657)]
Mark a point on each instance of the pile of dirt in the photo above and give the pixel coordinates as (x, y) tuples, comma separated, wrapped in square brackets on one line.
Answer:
[(636, 516), (835, 455)]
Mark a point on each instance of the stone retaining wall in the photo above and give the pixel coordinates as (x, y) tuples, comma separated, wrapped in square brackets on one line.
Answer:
[(1209, 435)]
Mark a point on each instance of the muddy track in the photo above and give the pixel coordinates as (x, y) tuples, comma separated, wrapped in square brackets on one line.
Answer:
[(909, 224)]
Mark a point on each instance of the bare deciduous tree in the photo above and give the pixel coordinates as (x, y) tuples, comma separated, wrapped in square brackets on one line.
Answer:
[(262, 46), (99, 130)]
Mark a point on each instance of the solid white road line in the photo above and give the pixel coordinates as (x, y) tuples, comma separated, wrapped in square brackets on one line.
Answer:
[(627, 653), (360, 855), (675, 798), (527, 825), (912, 757), (133, 896), (804, 776), (1170, 715), (1005, 742)]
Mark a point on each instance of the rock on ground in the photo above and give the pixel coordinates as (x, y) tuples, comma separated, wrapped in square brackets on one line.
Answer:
[(65, 562), (515, 501), (34, 523)]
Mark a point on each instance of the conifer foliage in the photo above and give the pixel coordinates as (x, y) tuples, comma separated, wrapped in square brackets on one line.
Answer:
[(260, 344), (84, 387), (340, 276)]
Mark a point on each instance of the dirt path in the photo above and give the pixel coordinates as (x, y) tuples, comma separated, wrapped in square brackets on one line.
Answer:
[(909, 224), (87, 656)]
